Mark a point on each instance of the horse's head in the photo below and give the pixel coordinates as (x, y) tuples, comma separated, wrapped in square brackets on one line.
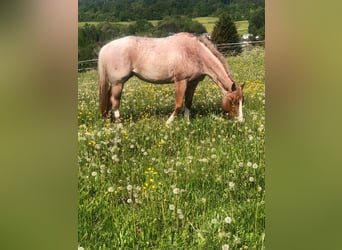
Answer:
[(232, 102)]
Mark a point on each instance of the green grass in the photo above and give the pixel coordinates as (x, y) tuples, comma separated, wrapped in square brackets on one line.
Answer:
[(208, 23), (144, 185)]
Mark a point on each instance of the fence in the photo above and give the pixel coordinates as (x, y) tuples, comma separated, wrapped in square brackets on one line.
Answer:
[(224, 48)]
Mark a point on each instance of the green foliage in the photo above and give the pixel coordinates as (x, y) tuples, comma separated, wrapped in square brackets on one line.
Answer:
[(201, 185), (257, 23), (226, 32), (175, 24), (123, 10)]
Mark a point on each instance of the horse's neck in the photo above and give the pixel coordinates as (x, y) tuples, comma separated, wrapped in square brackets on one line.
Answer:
[(216, 71)]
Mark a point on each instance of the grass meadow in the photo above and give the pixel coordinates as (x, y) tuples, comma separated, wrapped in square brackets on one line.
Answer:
[(197, 185), (207, 22)]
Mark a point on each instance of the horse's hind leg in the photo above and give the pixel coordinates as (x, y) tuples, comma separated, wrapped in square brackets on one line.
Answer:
[(115, 97), (189, 94), (180, 87)]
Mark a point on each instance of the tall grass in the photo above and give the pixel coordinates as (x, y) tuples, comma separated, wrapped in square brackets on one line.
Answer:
[(201, 185)]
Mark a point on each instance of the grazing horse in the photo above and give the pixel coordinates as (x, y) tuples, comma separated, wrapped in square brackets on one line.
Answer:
[(182, 59)]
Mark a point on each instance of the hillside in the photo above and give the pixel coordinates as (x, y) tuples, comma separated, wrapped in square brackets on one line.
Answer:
[(123, 10)]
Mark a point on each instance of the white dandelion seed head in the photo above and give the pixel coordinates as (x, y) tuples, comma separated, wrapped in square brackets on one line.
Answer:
[(94, 173), (214, 221), (172, 207), (251, 179), (176, 190), (231, 185), (240, 164), (255, 166), (129, 187), (249, 164), (225, 247), (129, 201), (228, 220), (180, 216), (110, 189)]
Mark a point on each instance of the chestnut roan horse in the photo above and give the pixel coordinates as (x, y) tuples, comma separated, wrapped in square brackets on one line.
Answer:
[(182, 59)]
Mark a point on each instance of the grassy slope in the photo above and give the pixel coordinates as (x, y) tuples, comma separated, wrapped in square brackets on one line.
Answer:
[(188, 186), (208, 23)]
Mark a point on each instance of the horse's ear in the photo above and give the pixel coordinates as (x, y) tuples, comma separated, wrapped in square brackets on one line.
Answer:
[(242, 85), (233, 86)]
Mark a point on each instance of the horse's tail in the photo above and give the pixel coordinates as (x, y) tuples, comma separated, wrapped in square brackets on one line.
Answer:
[(104, 91)]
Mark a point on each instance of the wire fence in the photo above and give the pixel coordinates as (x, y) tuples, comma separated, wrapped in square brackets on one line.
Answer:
[(224, 48)]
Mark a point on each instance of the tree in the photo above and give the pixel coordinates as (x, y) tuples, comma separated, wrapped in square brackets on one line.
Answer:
[(225, 32), (257, 23)]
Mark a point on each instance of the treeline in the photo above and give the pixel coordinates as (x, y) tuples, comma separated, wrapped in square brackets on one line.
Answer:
[(91, 37), (132, 10)]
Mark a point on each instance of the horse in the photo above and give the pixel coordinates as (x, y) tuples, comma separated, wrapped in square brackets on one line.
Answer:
[(183, 59)]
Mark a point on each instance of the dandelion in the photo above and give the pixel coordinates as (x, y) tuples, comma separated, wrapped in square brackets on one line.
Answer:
[(255, 166), (228, 220), (176, 191), (80, 248), (249, 164), (179, 211), (214, 221), (225, 247), (110, 189), (251, 179), (172, 207), (231, 185), (129, 201), (180, 216), (129, 187), (94, 173), (240, 164)]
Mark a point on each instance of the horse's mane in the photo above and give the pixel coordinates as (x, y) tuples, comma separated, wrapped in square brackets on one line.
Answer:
[(203, 39)]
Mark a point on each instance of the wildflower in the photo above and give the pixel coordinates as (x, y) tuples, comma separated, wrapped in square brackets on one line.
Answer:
[(129, 187), (249, 164), (176, 190), (225, 247), (214, 221), (228, 220), (231, 185), (80, 248), (172, 207), (110, 189), (129, 201), (94, 173), (179, 211), (180, 216), (251, 179), (240, 164), (255, 166)]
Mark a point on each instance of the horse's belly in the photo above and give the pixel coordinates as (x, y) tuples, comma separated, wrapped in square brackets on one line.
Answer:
[(154, 76)]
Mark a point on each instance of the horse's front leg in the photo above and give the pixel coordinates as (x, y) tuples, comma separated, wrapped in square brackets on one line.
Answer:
[(189, 94), (115, 98), (180, 87)]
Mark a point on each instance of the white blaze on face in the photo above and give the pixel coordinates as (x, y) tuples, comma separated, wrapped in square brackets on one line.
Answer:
[(240, 116)]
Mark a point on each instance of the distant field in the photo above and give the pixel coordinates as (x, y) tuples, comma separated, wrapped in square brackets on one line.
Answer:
[(208, 23)]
